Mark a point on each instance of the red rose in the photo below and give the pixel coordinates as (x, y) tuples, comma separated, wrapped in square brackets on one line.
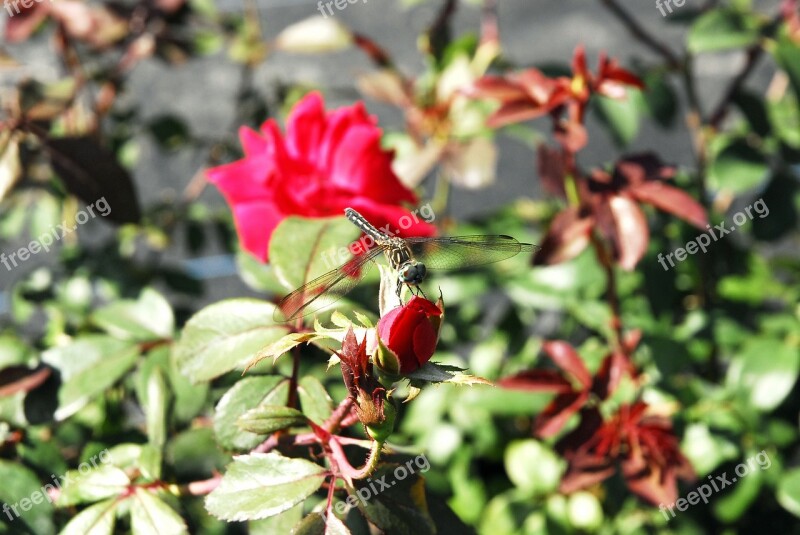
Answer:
[(408, 335), (325, 163)]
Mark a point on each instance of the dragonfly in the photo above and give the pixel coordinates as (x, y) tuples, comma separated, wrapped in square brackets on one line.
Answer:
[(411, 258)]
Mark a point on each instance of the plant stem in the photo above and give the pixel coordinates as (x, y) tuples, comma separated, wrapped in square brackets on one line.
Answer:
[(640, 33), (347, 471), (611, 290)]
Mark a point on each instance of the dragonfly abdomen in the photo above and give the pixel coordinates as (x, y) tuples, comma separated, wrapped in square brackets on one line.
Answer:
[(365, 226)]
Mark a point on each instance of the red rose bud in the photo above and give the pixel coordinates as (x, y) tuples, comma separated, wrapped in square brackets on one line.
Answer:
[(408, 335)]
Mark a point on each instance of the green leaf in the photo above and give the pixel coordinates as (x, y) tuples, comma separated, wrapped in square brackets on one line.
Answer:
[(150, 461), (257, 275), (189, 399), (126, 456), (151, 516), (738, 168), (155, 408), (722, 29), (282, 523), (316, 524), (314, 399), (301, 249), (401, 508), (533, 467), (765, 372), (660, 99), (194, 454), (621, 116), (260, 485), (312, 524), (281, 346), (23, 490), (224, 336), (431, 372), (705, 450), (97, 519), (585, 512), (88, 366), (787, 54), (732, 505), (266, 419), (784, 113), (789, 491), (246, 394), (145, 319), (754, 109), (334, 526), (15, 352), (104, 481)]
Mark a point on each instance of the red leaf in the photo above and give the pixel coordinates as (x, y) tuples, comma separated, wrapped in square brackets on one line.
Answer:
[(24, 20), (585, 470), (515, 112), (537, 381), (673, 200), (568, 360), (651, 482), (626, 226), (497, 87), (567, 236), (608, 376), (555, 415), (21, 379), (552, 169), (571, 134)]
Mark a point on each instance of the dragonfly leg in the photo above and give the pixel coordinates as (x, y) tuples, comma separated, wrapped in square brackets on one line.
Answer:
[(419, 291)]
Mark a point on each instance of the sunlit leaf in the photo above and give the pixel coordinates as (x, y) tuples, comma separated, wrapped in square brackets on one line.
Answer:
[(260, 485), (225, 336)]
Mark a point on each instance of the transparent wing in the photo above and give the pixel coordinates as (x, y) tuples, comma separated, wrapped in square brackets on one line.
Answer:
[(325, 289), (458, 252)]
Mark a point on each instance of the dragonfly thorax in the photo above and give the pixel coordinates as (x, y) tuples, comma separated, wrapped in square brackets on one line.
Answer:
[(412, 272)]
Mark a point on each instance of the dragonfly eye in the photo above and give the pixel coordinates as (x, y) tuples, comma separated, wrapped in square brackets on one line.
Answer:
[(413, 273)]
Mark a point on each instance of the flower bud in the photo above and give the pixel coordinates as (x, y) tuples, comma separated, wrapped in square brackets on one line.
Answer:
[(408, 335)]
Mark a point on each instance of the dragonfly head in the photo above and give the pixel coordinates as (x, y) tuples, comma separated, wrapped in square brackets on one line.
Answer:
[(412, 272)]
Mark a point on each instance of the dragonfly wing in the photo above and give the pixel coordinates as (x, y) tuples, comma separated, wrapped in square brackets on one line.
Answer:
[(458, 252), (325, 289)]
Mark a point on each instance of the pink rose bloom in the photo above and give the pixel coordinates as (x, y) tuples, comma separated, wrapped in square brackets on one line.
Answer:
[(325, 163)]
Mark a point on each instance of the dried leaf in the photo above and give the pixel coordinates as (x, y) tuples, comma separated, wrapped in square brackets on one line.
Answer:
[(92, 172)]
